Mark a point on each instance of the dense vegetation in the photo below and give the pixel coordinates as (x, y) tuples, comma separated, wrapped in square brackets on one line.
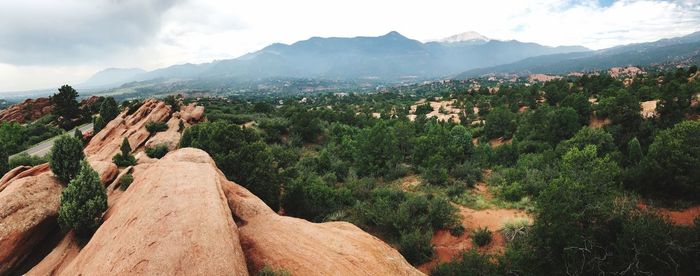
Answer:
[(575, 153), (345, 156)]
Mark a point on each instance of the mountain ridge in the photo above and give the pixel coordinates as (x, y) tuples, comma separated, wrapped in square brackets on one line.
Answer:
[(389, 57)]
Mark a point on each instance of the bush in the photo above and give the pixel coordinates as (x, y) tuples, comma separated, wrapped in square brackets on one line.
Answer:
[(482, 236), (24, 159), (471, 263), (310, 198), (467, 172), (516, 229), (67, 152), (124, 159), (415, 246), (269, 271), (125, 181), (3, 161), (457, 230), (83, 201), (158, 151), (154, 127), (98, 123)]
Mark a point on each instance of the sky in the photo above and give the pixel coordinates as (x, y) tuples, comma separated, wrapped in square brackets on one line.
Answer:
[(46, 43)]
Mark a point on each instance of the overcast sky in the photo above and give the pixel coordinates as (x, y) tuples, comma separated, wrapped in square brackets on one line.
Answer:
[(45, 43)]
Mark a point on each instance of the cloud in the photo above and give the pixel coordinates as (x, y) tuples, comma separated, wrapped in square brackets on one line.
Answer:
[(46, 32), (44, 43)]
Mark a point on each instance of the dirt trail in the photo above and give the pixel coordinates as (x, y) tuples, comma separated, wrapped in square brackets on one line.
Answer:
[(448, 247), (684, 217)]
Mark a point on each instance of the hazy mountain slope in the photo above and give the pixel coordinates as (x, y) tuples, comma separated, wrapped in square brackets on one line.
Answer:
[(113, 76), (388, 57), (676, 50)]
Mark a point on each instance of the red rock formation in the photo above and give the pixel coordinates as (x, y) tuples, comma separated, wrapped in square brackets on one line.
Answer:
[(28, 210), (188, 115), (105, 144), (305, 248), (29, 110), (173, 220)]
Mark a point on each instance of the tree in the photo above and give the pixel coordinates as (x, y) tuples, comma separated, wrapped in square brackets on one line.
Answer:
[(125, 147), (562, 123), (634, 151), (500, 122), (98, 123), (671, 164), (66, 154), (377, 150), (66, 107), (109, 109), (124, 159), (83, 201), (78, 134), (580, 103), (4, 166)]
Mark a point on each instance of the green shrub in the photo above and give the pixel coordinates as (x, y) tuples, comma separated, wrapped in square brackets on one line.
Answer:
[(98, 123), (415, 246), (24, 159), (67, 152), (158, 151), (154, 127), (482, 236), (516, 229), (83, 201), (124, 159), (457, 230), (467, 172), (4, 167), (269, 271), (125, 181), (471, 263)]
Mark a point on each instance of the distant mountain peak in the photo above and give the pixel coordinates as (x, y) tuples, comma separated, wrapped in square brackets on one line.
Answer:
[(394, 34), (469, 36)]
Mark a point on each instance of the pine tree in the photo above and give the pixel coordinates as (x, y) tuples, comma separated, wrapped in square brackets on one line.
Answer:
[(634, 151), (66, 154), (83, 201)]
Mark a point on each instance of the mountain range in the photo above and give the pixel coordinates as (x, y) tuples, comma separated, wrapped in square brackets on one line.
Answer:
[(674, 51), (393, 57), (389, 57)]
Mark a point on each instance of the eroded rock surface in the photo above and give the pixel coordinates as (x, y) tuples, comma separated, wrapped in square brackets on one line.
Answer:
[(305, 248), (172, 220)]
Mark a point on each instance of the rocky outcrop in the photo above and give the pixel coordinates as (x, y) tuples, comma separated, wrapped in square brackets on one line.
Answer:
[(188, 115), (305, 248), (105, 144), (26, 111), (179, 216), (28, 210), (172, 220)]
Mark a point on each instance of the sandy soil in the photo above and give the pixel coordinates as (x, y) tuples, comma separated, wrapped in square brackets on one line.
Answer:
[(451, 113), (449, 247), (684, 217), (596, 122), (649, 108), (499, 141)]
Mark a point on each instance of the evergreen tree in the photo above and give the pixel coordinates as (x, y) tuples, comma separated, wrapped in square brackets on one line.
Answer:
[(4, 167), (83, 201), (66, 107), (109, 109), (634, 151), (66, 154)]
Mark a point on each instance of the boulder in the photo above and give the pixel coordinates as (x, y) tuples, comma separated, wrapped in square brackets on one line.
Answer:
[(305, 248), (173, 220), (26, 111), (28, 211), (105, 144)]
